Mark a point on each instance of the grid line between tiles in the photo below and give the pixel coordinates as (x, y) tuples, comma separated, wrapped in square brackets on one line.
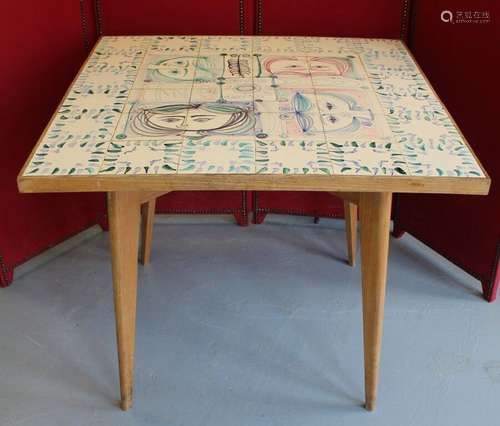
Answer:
[(315, 96), (184, 137), (139, 68), (252, 62)]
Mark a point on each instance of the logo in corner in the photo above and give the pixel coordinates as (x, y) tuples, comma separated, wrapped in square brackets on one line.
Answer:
[(447, 16)]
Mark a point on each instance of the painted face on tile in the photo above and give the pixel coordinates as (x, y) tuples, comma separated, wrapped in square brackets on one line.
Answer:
[(286, 65), (341, 113), (193, 120), (181, 68), (328, 66)]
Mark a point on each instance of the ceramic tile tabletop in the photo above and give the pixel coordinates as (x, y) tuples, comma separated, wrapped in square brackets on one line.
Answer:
[(258, 105)]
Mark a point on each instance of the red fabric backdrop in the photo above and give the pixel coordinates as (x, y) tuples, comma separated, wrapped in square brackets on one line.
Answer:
[(359, 18), (43, 44), (461, 63)]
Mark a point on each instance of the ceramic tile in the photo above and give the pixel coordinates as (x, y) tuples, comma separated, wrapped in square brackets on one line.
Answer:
[(326, 70), (124, 43), (142, 157), (160, 70), (264, 90), (223, 66), (220, 95), (285, 156), (430, 120), (367, 157), (175, 44), (281, 67), (289, 125), (109, 96), (446, 156), (226, 44), (351, 113), (232, 90), (296, 100), (272, 44), (67, 158), (96, 76), (218, 155), (149, 117), (81, 123)]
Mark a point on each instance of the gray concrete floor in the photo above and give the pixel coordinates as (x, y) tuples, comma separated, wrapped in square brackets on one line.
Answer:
[(248, 326)]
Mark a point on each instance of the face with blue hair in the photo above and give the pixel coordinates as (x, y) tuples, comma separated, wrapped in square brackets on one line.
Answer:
[(341, 113)]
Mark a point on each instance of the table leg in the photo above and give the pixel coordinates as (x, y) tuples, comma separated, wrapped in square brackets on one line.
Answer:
[(124, 221), (351, 221), (375, 215), (148, 216)]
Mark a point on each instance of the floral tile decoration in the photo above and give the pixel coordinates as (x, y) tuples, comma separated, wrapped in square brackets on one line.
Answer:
[(211, 155), (73, 157), (141, 157), (293, 157), (368, 157), (241, 104)]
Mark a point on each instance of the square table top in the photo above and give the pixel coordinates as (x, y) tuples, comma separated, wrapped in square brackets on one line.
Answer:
[(252, 112)]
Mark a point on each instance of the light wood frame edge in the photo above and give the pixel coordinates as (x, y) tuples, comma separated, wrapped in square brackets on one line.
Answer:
[(255, 182)]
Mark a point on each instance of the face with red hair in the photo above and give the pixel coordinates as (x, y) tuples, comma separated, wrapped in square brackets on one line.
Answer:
[(292, 65), (328, 66)]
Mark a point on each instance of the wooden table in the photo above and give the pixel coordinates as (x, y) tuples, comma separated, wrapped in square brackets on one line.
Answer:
[(149, 115)]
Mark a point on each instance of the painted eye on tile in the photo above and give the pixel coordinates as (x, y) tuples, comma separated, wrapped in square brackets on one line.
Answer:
[(172, 119)]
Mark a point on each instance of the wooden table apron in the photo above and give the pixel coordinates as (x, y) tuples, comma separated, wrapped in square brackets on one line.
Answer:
[(363, 186)]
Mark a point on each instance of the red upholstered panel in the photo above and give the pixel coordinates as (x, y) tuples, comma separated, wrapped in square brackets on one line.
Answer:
[(42, 50), (125, 17), (207, 202), (360, 18), (317, 204), (461, 64)]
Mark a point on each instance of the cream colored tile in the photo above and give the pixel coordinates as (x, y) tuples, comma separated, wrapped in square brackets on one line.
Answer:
[(226, 44), (218, 155), (447, 157), (160, 70), (233, 90), (367, 157), (264, 90), (273, 44), (175, 44), (79, 123), (223, 66), (67, 158), (287, 156), (282, 67), (289, 125), (142, 157)]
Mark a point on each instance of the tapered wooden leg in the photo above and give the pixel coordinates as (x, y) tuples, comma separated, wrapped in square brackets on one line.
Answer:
[(124, 223), (351, 221), (375, 211), (148, 216)]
